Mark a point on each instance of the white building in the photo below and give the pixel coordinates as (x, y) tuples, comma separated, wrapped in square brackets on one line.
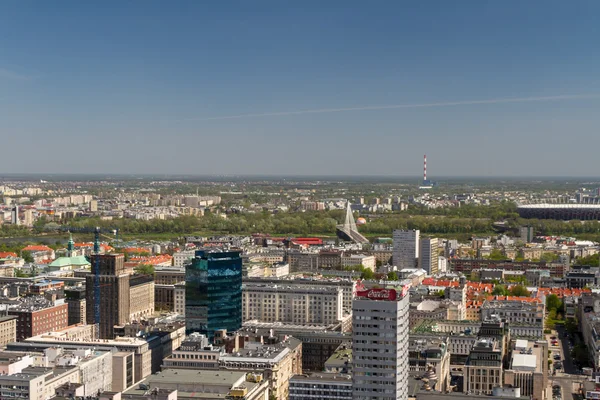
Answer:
[(428, 257), (179, 299), (380, 345), (406, 248), (298, 304), (359, 259), (181, 258)]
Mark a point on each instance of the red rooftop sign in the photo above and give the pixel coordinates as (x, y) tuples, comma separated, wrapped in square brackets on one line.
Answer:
[(378, 294)]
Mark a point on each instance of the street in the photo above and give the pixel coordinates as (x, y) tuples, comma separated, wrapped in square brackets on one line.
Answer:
[(567, 377)]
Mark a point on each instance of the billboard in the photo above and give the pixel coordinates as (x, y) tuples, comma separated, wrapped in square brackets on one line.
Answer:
[(378, 294)]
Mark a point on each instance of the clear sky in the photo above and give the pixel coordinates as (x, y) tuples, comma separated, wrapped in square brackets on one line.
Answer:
[(220, 87)]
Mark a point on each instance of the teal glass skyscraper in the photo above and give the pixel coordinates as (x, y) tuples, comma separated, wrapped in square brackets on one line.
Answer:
[(213, 292)]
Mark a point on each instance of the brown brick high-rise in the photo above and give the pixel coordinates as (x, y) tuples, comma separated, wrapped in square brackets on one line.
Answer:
[(114, 293)]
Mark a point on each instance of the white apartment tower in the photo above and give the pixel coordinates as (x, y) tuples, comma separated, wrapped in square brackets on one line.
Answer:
[(406, 248), (428, 255), (380, 345)]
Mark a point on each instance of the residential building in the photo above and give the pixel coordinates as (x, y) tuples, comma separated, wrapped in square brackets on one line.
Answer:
[(516, 310), (298, 304), (182, 258), (380, 344), (428, 255), (36, 383), (179, 299), (321, 386), (352, 260), (141, 297), (213, 298), (348, 286), (36, 315), (406, 248), (8, 329)]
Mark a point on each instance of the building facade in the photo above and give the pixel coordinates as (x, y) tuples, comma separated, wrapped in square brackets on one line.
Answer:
[(114, 293), (213, 294), (380, 345), (428, 255), (298, 304), (406, 248)]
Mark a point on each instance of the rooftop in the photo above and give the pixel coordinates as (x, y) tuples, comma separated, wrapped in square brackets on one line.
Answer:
[(323, 377)]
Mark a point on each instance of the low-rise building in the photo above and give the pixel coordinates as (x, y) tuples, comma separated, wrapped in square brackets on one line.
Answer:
[(209, 385), (140, 348), (426, 355), (528, 368), (8, 330), (298, 304), (321, 386), (36, 315), (526, 310)]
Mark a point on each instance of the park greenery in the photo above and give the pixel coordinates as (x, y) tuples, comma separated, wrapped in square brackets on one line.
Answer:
[(144, 269), (458, 222), (516, 290), (554, 311)]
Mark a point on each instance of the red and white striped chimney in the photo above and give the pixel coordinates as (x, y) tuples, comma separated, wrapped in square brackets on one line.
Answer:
[(424, 167)]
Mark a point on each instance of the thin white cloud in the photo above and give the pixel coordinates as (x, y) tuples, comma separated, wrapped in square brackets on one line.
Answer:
[(15, 76), (399, 106)]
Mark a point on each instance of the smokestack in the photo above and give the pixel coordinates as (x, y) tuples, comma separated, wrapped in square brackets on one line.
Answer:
[(424, 167)]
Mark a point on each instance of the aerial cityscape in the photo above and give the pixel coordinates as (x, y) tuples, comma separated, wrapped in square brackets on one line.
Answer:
[(299, 201)]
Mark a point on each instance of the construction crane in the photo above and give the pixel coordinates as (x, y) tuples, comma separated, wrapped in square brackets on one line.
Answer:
[(97, 231)]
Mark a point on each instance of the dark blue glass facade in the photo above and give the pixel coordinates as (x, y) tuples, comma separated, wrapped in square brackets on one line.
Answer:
[(213, 292)]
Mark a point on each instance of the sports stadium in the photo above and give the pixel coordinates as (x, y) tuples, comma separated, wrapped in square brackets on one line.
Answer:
[(586, 212)]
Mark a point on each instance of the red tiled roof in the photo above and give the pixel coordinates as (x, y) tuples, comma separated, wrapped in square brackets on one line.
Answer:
[(5, 254), (37, 248)]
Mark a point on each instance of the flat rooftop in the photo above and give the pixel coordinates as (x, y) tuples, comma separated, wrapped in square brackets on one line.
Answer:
[(201, 384)]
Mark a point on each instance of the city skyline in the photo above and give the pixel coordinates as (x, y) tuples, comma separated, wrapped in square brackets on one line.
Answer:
[(343, 89)]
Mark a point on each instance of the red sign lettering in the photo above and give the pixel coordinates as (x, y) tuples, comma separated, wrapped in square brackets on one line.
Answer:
[(378, 294)]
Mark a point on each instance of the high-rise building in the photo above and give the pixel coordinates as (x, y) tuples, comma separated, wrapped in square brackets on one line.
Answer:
[(14, 215), (114, 293), (428, 255), (380, 344), (28, 218), (406, 248), (213, 292)]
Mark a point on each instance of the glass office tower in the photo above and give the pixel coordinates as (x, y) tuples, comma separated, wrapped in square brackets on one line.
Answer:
[(213, 292)]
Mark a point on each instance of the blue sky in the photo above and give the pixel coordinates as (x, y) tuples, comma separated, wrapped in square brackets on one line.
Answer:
[(150, 87)]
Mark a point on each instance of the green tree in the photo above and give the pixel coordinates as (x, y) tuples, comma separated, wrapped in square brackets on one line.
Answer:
[(367, 274), (392, 276), (496, 254), (20, 274), (549, 257), (500, 290), (144, 269), (553, 302), (27, 257), (589, 260), (519, 290)]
